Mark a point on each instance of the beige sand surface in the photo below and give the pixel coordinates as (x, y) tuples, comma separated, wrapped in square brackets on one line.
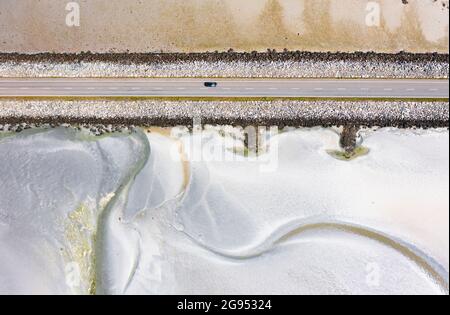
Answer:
[(208, 25)]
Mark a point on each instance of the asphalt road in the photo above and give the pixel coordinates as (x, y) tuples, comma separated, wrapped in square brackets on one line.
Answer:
[(408, 88)]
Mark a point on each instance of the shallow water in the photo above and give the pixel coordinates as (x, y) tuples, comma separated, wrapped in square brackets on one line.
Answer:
[(181, 213)]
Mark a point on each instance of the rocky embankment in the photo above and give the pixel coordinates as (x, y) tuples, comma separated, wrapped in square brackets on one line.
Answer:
[(228, 65)]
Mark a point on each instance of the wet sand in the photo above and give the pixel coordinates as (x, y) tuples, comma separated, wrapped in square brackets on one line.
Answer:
[(184, 214), (199, 25)]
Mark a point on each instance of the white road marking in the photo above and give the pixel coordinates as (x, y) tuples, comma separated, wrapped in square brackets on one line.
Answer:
[(422, 88)]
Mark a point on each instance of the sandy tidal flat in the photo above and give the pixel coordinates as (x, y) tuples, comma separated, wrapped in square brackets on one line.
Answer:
[(30, 26), (181, 213)]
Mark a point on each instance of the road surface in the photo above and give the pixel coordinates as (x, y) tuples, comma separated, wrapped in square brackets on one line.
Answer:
[(335, 88)]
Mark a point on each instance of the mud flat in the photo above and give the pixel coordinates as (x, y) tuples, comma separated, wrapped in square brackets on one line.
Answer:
[(31, 26), (238, 112), (294, 64), (48, 236), (170, 212)]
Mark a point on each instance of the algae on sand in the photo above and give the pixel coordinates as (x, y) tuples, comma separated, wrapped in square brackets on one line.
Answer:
[(349, 155)]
